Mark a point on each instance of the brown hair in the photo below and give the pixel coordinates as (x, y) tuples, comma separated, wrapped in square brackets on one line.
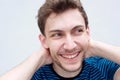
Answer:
[(58, 6)]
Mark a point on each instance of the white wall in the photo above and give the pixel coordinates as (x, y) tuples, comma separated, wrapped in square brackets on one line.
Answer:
[(104, 18), (19, 31)]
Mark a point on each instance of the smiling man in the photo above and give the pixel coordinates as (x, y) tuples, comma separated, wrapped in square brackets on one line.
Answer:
[(65, 37), (67, 41)]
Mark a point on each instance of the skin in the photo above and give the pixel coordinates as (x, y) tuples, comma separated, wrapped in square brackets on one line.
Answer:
[(67, 39)]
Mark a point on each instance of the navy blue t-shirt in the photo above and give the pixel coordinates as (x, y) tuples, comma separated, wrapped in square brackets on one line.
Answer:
[(94, 68)]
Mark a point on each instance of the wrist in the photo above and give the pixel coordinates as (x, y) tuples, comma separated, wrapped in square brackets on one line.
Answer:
[(39, 59), (93, 47)]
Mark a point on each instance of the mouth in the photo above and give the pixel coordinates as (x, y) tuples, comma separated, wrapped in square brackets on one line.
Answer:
[(70, 56)]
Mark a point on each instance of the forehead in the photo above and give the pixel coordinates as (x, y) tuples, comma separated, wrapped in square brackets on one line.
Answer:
[(64, 21)]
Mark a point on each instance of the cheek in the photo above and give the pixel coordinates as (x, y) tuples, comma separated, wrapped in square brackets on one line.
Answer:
[(83, 40), (54, 46)]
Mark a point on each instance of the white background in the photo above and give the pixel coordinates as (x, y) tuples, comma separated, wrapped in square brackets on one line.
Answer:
[(19, 31)]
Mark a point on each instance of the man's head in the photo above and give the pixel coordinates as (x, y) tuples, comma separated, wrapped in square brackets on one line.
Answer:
[(66, 35), (58, 7)]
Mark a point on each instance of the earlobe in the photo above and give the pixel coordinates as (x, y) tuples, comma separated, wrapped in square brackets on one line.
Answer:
[(43, 41), (88, 31)]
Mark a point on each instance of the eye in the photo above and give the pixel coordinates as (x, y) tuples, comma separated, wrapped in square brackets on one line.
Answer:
[(78, 31), (56, 35)]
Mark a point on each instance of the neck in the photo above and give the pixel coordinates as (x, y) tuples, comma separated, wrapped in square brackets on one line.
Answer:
[(64, 73)]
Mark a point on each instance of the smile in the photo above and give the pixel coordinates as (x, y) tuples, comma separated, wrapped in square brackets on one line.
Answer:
[(70, 56)]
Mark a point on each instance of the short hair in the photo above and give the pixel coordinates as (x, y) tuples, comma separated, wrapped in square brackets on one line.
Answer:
[(58, 6)]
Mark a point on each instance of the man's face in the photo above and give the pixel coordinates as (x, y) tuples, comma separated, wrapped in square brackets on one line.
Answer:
[(67, 39)]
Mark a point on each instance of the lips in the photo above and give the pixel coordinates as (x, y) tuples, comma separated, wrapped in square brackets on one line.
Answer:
[(70, 56)]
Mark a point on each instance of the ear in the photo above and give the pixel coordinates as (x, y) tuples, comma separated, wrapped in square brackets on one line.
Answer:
[(88, 31), (42, 39)]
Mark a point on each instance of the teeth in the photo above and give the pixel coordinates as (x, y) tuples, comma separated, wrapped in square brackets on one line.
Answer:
[(70, 56)]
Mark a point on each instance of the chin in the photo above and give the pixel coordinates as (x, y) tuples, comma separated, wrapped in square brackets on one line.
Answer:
[(72, 67)]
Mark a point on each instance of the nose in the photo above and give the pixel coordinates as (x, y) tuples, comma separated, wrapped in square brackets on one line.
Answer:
[(69, 43)]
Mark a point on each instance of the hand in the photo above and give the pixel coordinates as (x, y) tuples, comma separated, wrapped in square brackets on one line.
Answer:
[(89, 52), (45, 57)]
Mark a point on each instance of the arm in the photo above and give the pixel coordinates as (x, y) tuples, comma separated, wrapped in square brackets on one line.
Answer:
[(107, 51), (26, 69)]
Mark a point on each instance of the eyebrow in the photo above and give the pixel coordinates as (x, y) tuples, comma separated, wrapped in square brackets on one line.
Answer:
[(55, 31), (79, 26), (62, 31)]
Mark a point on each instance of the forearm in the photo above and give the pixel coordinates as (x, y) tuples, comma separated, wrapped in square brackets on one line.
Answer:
[(25, 70), (104, 50)]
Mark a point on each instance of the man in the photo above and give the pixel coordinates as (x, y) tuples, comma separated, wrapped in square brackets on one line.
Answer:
[(66, 42)]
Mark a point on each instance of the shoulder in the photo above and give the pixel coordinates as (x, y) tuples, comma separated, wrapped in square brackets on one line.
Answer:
[(100, 62), (102, 66), (45, 72), (41, 72)]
